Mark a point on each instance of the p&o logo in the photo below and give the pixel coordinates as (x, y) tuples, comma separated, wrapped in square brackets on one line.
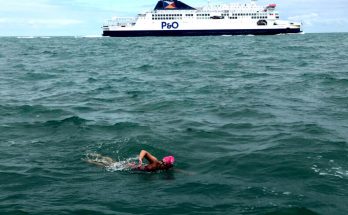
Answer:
[(168, 25)]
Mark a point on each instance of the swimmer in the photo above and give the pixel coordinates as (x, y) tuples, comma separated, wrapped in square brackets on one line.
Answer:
[(153, 163)]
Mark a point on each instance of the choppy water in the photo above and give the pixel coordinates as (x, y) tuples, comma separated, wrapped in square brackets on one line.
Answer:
[(258, 125)]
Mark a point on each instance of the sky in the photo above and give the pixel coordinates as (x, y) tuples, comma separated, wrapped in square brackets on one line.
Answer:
[(85, 17)]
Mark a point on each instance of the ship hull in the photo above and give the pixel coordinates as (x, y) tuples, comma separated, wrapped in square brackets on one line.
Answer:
[(144, 33)]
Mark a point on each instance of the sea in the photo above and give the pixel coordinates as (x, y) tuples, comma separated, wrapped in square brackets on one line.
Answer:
[(257, 124)]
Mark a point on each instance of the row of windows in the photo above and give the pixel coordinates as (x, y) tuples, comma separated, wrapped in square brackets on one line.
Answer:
[(259, 17), (233, 14), (249, 14), (206, 17), (253, 17), (166, 15), (167, 18)]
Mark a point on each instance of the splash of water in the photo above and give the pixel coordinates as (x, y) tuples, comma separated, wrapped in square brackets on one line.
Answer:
[(122, 165), (111, 164)]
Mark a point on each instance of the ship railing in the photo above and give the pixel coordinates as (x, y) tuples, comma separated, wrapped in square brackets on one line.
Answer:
[(121, 21)]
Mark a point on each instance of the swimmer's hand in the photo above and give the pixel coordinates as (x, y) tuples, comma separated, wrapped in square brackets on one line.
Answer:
[(140, 162)]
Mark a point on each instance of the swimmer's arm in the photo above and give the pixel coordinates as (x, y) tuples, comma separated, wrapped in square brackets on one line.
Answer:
[(147, 156)]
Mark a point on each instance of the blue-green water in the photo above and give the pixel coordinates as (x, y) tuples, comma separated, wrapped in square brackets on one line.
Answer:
[(258, 125)]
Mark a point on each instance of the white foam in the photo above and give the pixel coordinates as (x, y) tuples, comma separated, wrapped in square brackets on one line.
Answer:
[(121, 165), (333, 171)]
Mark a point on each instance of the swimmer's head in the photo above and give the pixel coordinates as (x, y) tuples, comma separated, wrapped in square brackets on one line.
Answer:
[(169, 160)]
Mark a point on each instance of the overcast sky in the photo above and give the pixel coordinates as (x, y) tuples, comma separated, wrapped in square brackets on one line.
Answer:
[(85, 17)]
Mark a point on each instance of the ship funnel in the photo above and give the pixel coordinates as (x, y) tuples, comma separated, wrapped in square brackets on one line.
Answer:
[(172, 5)]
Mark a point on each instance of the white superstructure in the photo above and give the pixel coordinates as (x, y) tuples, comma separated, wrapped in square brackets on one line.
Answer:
[(174, 18)]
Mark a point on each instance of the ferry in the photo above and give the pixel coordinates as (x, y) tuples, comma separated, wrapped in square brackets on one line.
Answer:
[(175, 18)]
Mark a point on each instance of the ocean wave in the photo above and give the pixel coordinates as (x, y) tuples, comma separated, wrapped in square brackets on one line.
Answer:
[(285, 210), (36, 76), (145, 67), (73, 120), (30, 112)]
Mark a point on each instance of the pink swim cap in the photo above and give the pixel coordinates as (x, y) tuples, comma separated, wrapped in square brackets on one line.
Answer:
[(169, 160)]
